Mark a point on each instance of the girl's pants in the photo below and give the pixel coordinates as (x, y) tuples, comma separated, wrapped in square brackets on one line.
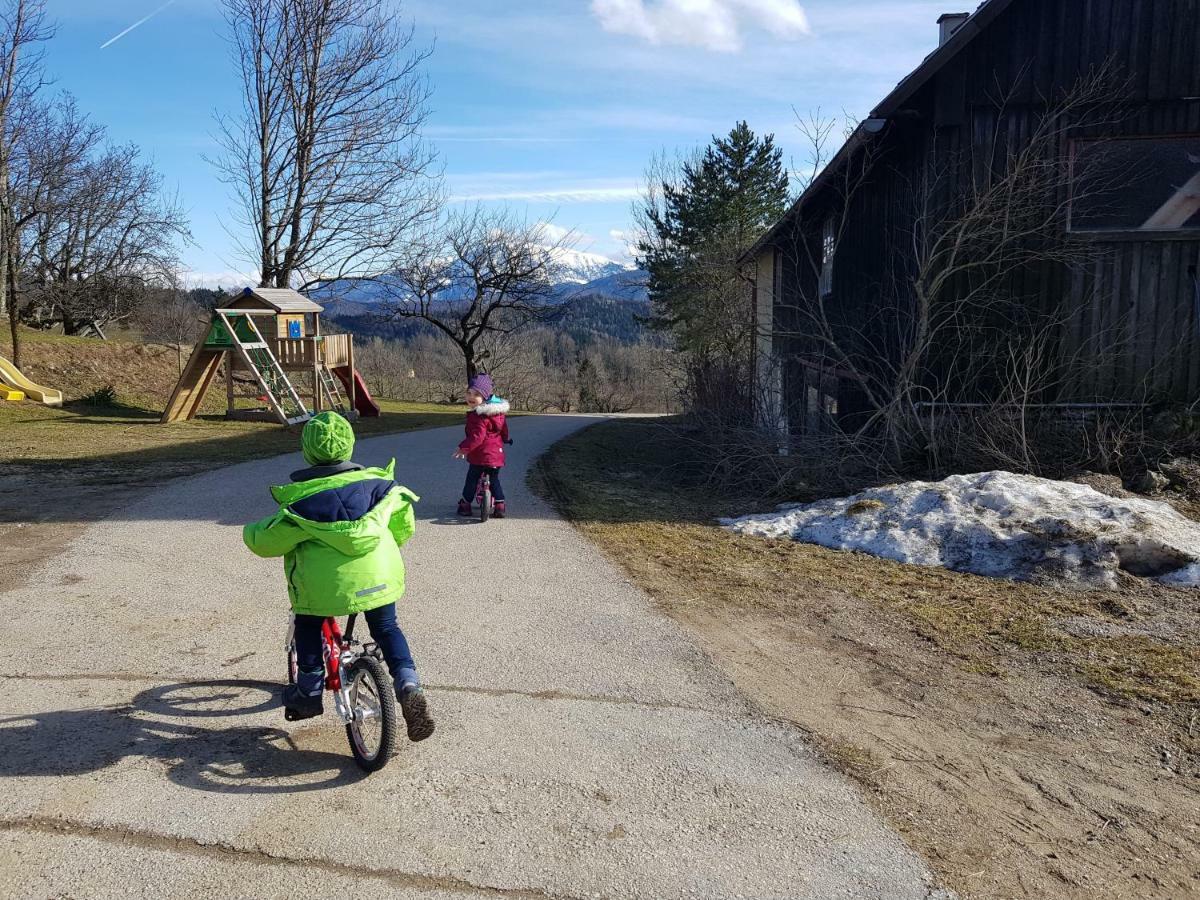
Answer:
[(472, 484)]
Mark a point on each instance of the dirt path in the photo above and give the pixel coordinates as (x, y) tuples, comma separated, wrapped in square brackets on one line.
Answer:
[(1028, 741), (585, 747)]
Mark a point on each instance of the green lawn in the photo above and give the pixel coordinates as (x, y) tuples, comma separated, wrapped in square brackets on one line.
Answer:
[(118, 439)]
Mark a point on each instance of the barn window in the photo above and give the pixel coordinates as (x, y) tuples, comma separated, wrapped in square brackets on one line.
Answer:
[(820, 401), (828, 247), (1136, 184)]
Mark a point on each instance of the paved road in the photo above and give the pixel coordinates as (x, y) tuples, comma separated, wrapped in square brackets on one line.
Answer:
[(584, 746)]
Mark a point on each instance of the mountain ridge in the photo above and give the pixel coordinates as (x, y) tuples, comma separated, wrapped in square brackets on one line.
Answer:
[(579, 275)]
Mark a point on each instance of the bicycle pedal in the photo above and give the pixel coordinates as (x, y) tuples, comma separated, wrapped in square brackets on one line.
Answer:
[(294, 715)]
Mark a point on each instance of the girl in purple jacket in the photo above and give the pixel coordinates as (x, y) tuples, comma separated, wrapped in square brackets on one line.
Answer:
[(483, 447)]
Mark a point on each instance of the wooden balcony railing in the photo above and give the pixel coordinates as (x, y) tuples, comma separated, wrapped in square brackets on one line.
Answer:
[(336, 349), (301, 353)]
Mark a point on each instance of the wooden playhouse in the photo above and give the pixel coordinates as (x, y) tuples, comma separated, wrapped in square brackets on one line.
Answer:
[(271, 337)]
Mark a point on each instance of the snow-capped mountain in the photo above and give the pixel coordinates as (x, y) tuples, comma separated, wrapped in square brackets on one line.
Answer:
[(578, 267), (578, 274)]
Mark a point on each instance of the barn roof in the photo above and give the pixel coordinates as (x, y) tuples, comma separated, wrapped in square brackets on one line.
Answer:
[(282, 300), (987, 11)]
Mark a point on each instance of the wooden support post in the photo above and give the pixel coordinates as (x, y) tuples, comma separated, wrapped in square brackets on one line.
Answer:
[(350, 361), (230, 400), (316, 376)]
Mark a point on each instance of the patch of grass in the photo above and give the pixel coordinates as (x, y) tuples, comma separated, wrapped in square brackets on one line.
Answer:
[(628, 485), (120, 436), (1141, 667), (77, 464), (861, 763)]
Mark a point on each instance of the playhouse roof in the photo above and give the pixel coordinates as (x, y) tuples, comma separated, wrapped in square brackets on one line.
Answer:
[(282, 300)]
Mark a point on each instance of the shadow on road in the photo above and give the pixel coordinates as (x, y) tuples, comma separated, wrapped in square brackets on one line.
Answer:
[(176, 725)]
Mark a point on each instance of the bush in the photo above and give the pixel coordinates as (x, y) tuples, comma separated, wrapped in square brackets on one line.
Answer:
[(102, 397)]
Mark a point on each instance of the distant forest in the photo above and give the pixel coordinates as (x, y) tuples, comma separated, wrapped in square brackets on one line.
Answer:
[(584, 319)]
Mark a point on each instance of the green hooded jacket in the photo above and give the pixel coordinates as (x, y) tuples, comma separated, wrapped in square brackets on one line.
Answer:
[(340, 537)]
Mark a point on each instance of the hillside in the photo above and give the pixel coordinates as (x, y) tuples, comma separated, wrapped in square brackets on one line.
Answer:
[(140, 374), (587, 275), (584, 318)]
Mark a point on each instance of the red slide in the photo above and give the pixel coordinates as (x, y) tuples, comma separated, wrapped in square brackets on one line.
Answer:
[(366, 407)]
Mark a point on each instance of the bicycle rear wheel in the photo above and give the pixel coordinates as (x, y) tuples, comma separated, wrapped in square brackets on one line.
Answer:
[(293, 663), (372, 732), (485, 503)]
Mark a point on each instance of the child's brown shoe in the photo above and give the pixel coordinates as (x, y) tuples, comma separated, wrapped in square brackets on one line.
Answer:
[(416, 712)]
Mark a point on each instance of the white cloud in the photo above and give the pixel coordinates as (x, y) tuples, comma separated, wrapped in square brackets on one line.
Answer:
[(558, 195), (714, 24), (552, 232), (229, 279), (625, 241), (570, 237)]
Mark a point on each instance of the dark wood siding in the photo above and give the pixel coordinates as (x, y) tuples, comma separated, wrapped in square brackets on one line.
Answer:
[(1131, 310)]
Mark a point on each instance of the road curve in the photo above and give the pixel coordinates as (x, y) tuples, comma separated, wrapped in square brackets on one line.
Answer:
[(585, 748)]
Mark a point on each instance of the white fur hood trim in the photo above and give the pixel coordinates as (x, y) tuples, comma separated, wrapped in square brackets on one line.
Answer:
[(498, 408)]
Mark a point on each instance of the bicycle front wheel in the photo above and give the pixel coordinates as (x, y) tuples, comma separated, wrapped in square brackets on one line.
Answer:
[(372, 731)]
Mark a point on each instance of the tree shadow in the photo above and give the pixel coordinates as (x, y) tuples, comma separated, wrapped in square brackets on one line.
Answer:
[(168, 724), (88, 413)]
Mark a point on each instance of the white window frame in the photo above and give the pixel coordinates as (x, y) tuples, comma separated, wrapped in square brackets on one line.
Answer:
[(828, 250)]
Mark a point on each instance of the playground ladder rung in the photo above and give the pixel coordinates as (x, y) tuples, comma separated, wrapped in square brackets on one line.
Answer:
[(271, 375), (331, 390)]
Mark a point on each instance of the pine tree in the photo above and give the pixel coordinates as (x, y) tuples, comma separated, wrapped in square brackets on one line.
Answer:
[(706, 215)]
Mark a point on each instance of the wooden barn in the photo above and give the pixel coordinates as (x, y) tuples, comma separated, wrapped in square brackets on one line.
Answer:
[(1100, 99)]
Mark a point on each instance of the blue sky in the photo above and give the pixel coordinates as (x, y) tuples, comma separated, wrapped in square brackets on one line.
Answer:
[(553, 107)]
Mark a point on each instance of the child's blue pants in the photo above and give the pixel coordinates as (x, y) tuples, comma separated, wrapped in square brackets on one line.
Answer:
[(384, 631), (472, 485)]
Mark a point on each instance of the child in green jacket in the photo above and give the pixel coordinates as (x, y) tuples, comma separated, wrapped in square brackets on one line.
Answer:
[(339, 530)]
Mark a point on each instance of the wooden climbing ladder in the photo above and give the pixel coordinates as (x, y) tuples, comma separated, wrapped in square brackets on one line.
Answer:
[(234, 331), (333, 393)]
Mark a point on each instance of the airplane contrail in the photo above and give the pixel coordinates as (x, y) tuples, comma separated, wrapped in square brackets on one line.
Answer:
[(139, 22)]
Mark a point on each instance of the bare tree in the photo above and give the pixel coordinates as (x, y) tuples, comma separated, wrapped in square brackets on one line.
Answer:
[(947, 323), (92, 227), (22, 27), (481, 274), (171, 316), (325, 154), (104, 239)]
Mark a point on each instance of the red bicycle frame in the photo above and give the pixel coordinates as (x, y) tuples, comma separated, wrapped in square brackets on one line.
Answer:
[(332, 644)]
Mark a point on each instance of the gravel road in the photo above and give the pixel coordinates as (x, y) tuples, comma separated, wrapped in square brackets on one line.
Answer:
[(584, 747)]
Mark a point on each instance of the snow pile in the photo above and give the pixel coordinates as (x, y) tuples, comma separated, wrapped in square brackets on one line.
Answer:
[(1000, 525)]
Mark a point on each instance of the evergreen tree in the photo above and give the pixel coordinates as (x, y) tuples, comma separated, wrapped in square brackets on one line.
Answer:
[(699, 219), (586, 377)]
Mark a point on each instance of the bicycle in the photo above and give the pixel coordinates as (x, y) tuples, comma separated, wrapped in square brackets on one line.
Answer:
[(483, 493), (362, 696), (483, 496)]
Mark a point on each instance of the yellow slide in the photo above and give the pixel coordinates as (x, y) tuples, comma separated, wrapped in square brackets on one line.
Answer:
[(10, 376)]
